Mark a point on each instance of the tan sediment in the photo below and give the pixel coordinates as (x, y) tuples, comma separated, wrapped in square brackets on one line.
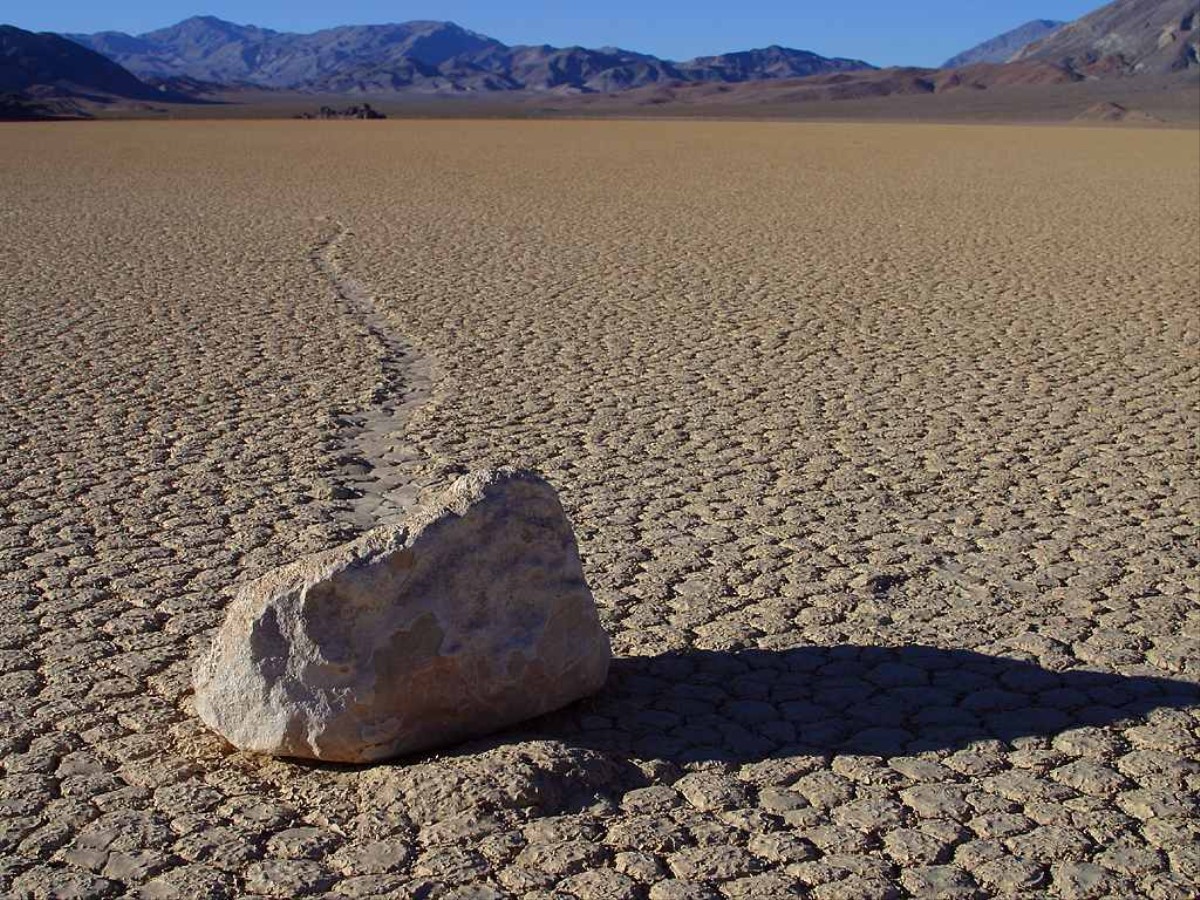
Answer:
[(879, 442)]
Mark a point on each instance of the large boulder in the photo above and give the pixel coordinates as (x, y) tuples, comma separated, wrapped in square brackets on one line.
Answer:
[(471, 615)]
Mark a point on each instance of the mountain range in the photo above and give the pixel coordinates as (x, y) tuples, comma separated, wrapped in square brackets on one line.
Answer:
[(204, 56), (437, 57)]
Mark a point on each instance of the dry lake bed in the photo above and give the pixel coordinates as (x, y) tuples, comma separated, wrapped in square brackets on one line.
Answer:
[(879, 441)]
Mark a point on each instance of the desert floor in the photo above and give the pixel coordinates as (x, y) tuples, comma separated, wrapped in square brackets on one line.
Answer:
[(880, 443)]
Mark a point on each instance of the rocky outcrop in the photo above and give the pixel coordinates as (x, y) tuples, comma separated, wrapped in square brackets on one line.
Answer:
[(470, 616), (1109, 111), (1127, 37), (357, 111)]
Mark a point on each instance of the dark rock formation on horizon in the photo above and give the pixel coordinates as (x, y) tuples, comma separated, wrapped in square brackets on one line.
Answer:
[(358, 111), (430, 57), (1002, 48)]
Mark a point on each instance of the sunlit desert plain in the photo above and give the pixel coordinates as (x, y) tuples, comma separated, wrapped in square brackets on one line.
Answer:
[(879, 442)]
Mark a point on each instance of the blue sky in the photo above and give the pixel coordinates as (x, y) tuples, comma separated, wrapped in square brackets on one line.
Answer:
[(884, 32)]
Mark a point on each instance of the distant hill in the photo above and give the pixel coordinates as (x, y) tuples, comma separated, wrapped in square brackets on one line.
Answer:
[(837, 86), (766, 64), (1128, 37), (33, 64), (434, 57), (1001, 48)]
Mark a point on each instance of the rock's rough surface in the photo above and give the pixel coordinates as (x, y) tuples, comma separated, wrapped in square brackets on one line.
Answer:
[(472, 615)]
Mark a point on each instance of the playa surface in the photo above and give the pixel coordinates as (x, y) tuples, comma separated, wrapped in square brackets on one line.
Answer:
[(880, 443)]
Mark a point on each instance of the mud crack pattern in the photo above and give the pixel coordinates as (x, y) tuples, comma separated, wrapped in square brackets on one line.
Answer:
[(377, 472), (880, 443)]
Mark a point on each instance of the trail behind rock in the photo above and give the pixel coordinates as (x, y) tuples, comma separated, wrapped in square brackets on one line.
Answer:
[(375, 463)]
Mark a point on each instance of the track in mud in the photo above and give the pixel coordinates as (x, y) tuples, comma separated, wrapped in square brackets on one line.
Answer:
[(376, 468)]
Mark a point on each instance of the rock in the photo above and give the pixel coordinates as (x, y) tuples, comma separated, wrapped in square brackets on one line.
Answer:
[(471, 615)]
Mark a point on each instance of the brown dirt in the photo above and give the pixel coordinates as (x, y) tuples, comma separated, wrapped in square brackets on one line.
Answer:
[(880, 442)]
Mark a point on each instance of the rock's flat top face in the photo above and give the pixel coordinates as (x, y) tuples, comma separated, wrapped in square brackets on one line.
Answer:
[(471, 616)]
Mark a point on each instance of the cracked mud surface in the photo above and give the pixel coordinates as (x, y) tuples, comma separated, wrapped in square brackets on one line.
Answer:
[(879, 442), (377, 471)]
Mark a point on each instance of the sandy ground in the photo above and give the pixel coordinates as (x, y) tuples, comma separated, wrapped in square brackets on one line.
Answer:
[(880, 444)]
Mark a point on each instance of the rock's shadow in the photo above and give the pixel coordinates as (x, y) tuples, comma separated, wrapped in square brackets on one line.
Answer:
[(752, 705)]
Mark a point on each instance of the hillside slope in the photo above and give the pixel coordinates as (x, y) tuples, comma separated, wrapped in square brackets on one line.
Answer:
[(49, 64), (1001, 48), (1127, 37)]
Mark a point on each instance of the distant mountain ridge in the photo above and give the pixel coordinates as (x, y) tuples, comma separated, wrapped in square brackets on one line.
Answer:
[(1002, 48), (436, 57)]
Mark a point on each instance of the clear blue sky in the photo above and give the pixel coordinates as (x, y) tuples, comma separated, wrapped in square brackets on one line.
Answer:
[(884, 32)]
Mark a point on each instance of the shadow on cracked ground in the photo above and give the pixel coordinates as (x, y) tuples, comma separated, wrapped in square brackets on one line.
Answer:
[(746, 706)]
